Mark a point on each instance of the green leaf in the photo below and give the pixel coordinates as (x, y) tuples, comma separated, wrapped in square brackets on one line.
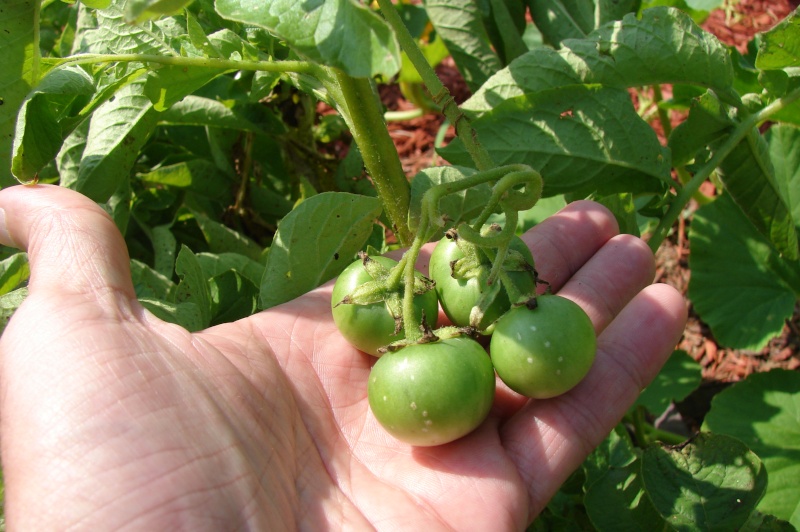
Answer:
[(214, 264), (614, 491), (628, 53), (188, 315), (232, 296), (780, 47), (763, 412), (117, 132), (170, 84), (20, 71), (582, 139), (784, 151), (38, 136), (559, 20), (199, 111), (140, 10), (222, 239), (113, 35), (678, 378), (193, 287), (460, 25), (459, 206), (148, 283), (739, 286), (13, 271), (712, 482), (747, 172), (201, 176), (315, 242), (748, 176), (9, 303), (338, 33)]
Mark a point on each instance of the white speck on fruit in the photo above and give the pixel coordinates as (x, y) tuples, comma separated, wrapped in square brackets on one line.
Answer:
[(547, 343), (424, 429), (530, 360), (412, 377), (561, 359), (385, 398), (413, 405), (533, 328), (558, 372), (519, 337), (428, 422), (424, 413)]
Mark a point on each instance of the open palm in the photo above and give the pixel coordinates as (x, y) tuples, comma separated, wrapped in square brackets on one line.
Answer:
[(113, 419)]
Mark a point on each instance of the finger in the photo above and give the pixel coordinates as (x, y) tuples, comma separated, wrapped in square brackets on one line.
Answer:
[(548, 439), (563, 243), (611, 278), (73, 245)]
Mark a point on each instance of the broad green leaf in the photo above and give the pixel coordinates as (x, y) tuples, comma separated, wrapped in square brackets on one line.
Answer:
[(559, 20), (165, 249), (117, 132), (199, 111), (459, 206), (747, 172), (759, 522), (169, 85), (704, 5), (748, 176), (338, 33), (20, 71), (113, 35), (140, 10), (763, 412), (187, 315), (9, 303), (314, 243), (780, 47), (148, 283), (460, 25), (678, 378), (199, 175), (13, 271), (628, 53), (615, 498), (712, 482), (784, 151), (68, 159), (739, 286), (222, 239), (582, 139), (611, 10), (214, 264), (233, 297), (708, 121), (193, 287), (38, 136)]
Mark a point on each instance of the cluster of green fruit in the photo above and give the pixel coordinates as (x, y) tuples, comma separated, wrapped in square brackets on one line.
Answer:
[(442, 387)]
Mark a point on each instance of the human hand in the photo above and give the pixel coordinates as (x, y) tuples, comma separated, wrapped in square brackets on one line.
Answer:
[(112, 419)]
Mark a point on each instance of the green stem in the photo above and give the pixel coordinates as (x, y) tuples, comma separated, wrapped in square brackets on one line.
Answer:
[(688, 191), (665, 436), (303, 67), (437, 89), (360, 107)]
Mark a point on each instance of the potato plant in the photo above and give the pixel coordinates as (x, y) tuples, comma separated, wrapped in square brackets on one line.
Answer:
[(203, 128)]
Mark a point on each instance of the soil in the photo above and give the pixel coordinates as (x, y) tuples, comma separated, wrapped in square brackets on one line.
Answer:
[(734, 25)]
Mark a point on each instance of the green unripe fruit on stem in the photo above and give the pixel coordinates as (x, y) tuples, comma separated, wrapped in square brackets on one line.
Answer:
[(433, 393), (546, 351)]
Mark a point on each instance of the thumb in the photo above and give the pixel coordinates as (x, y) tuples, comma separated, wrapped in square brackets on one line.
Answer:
[(73, 246)]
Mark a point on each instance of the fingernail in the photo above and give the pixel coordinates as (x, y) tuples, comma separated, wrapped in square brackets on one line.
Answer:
[(5, 238)]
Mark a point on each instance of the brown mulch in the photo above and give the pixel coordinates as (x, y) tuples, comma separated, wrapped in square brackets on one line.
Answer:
[(735, 26)]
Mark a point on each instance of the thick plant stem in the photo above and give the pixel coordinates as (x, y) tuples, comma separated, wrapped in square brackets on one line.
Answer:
[(437, 89), (689, 190), (360, 108)]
